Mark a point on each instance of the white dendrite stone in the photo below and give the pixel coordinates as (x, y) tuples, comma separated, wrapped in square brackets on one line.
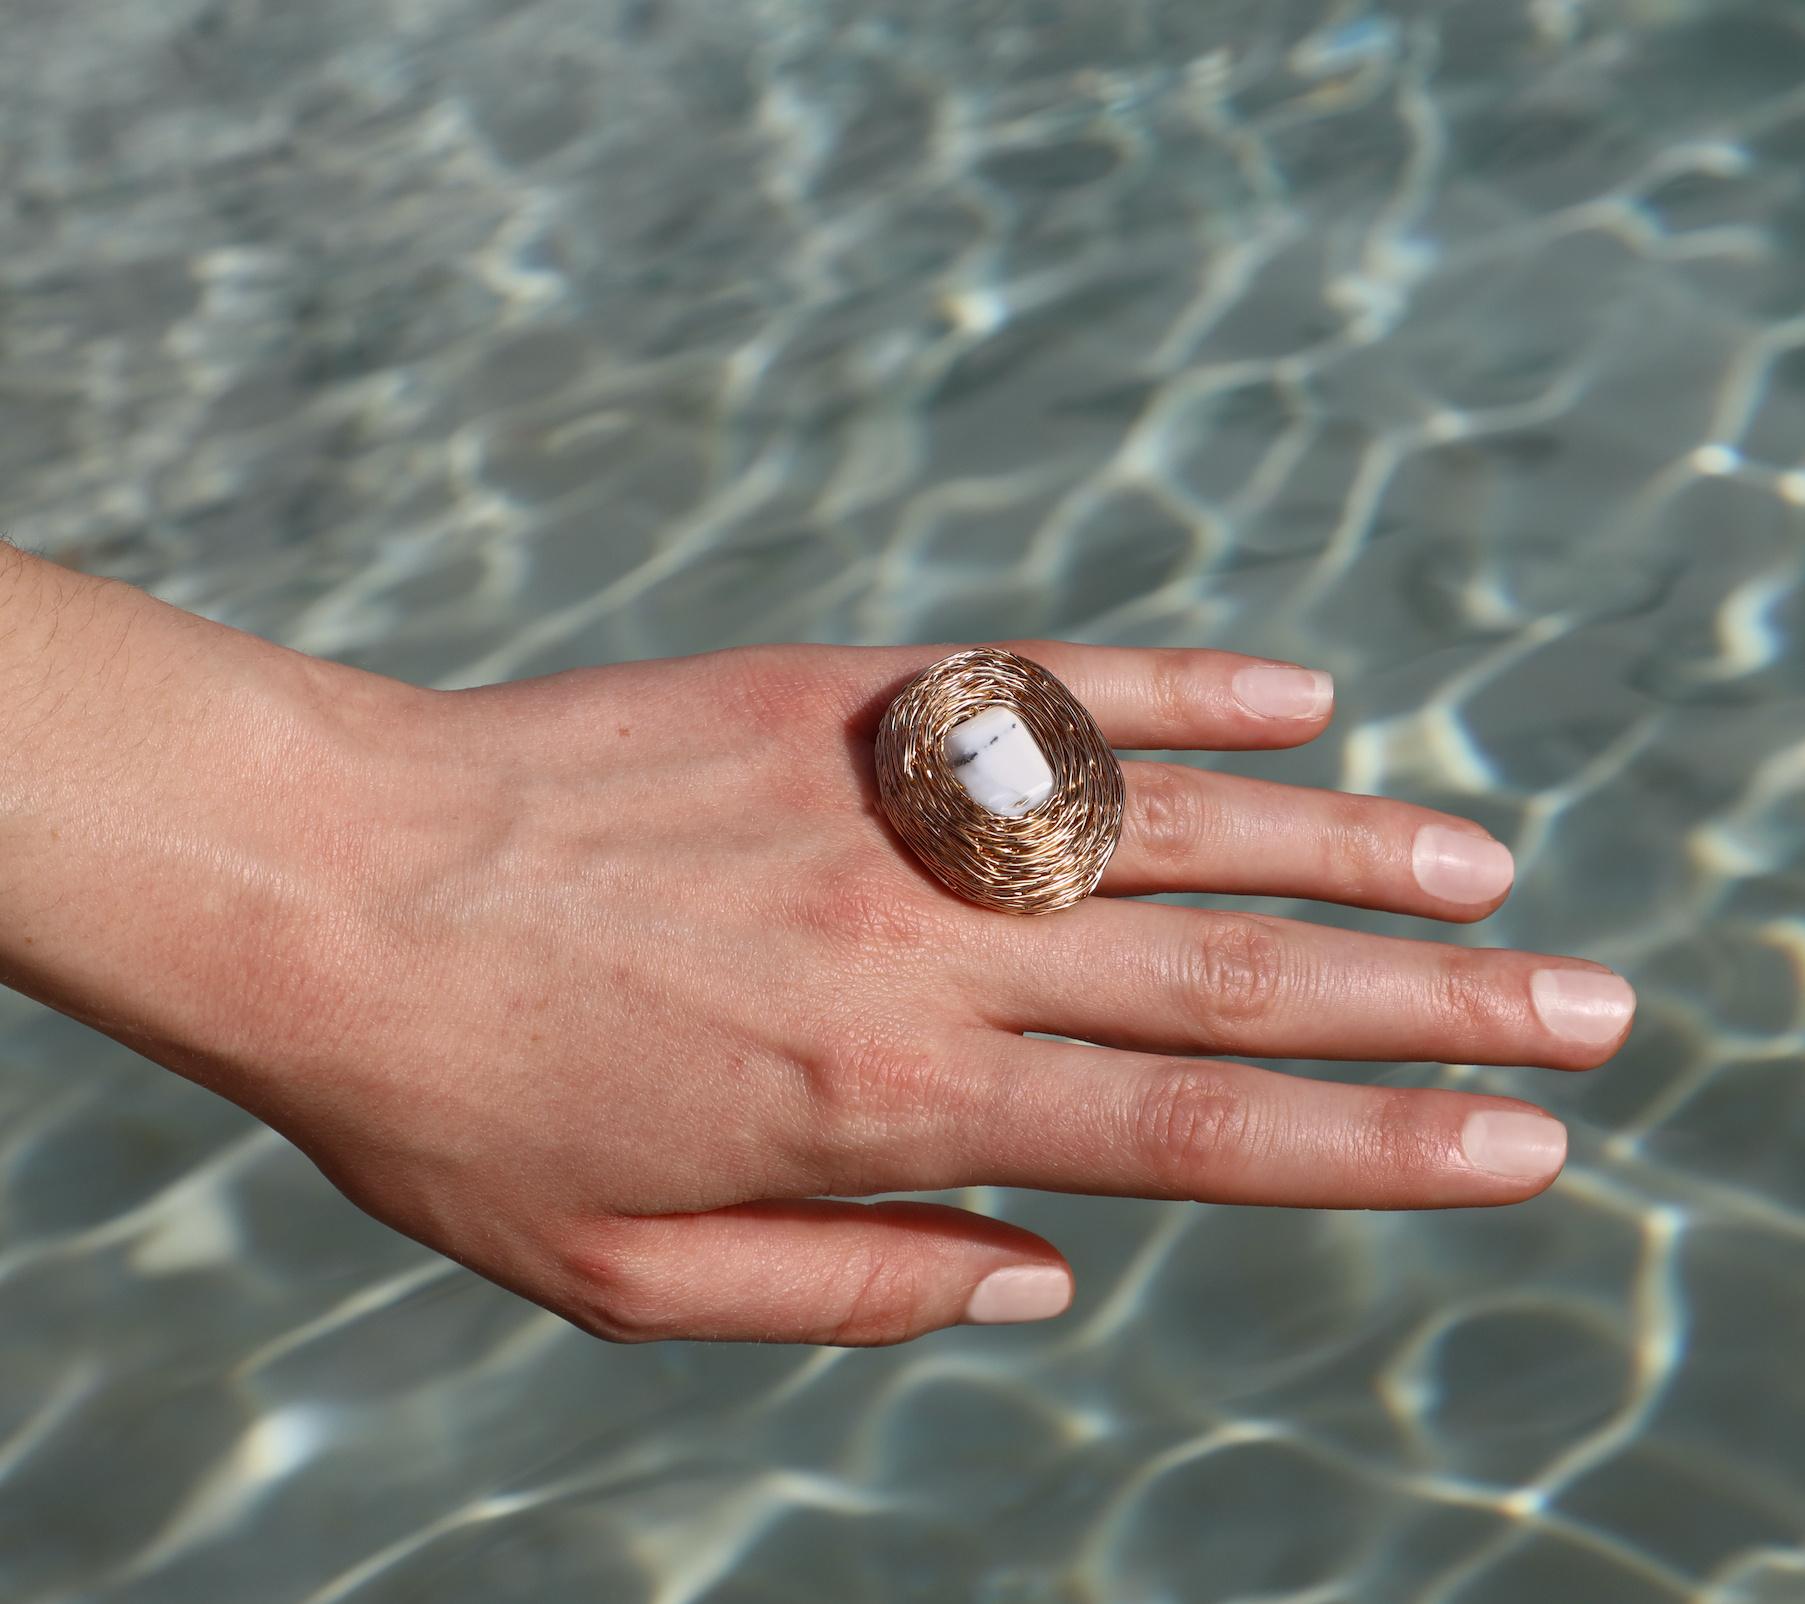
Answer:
[(998, 761)]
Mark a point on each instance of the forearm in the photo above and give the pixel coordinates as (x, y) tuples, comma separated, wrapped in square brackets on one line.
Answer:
[(168, 823)]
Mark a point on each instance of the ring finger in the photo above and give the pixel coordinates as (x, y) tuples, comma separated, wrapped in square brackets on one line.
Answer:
[(1166, 979)]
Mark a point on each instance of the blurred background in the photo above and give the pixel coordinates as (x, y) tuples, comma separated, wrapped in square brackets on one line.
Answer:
[(1458, 348)]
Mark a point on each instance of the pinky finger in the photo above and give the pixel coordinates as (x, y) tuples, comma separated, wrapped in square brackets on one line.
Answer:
[(811, 1271)]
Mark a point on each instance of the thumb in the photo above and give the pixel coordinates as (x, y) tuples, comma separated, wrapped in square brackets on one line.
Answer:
[(844, 1274)]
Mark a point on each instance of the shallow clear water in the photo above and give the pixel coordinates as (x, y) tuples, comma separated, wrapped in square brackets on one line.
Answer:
[(1457, 348)]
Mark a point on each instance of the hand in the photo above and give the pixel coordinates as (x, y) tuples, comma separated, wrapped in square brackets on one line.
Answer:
[(638, 978), (612, 985)]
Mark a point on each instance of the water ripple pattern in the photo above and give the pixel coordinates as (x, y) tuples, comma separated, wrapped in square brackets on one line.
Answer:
[(1456, 347)]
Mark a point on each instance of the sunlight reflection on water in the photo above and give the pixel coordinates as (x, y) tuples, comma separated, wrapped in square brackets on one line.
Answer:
[(1454, 348)]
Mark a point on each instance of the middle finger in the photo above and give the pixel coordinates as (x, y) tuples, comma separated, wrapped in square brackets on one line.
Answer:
[(1190, 829), (1167, 979)]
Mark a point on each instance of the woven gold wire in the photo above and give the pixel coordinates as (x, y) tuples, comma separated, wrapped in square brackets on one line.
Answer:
[(1049, 857)]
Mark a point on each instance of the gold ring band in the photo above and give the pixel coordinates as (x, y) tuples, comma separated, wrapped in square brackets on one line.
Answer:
[(1049, 856)]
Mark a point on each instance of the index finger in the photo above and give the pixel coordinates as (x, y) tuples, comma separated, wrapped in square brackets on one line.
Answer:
[(1160, 698)]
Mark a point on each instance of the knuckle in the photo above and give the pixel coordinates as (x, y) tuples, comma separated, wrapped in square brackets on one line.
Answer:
[(868, 1083), (620, 1290), (1188, 1123), (878, 1303), (858, 902), (1172, 691), (1466, 996), (1235, 972), (1353, 858), (1392, 1140), (773, 692), (1173, 821)]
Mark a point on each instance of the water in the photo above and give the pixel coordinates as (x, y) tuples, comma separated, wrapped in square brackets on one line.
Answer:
[(1457, 348)]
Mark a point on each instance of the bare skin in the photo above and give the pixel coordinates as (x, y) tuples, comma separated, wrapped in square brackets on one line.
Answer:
[(615, 987)]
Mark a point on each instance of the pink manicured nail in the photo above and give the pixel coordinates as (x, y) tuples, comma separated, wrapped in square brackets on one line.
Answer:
[(1021, 1292), (1458, 867), (1275, 692), (1522, 1146), (1581, 1004)]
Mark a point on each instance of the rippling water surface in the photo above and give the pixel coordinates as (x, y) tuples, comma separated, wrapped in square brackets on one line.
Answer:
[(1458, 348)]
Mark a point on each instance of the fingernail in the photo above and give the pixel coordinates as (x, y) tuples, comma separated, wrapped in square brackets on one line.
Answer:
[(1275, 692), (1522, 1146), (1581, 1004), (1021, 1292), (1458, 867)]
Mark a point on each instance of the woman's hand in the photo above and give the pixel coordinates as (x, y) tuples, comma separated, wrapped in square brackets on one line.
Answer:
[(603, 984), (639, 976)]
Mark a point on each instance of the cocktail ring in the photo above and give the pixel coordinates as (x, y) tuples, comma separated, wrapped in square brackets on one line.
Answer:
[(1000, 781)]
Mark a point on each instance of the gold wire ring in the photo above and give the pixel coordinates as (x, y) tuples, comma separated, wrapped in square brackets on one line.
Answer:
[(1046, 858)]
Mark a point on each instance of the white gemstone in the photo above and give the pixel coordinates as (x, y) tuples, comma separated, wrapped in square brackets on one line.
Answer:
[(998, 761)]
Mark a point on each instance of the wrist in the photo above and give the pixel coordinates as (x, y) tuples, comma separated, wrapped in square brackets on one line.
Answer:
[(183, 822)]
